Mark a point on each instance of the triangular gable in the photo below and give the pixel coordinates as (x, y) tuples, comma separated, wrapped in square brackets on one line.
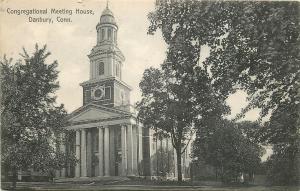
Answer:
[(94, 112)]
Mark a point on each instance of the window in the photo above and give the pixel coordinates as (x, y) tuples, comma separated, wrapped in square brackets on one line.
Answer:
[(87, 96), (109, 34), (118, 70), (107, 93), (115, 37), (101, 68), (102, 34)]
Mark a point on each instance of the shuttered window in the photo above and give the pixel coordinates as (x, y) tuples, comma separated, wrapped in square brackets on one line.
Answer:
[(101, 68)]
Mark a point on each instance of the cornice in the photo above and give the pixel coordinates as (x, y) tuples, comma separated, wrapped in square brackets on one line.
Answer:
[(112, 78)]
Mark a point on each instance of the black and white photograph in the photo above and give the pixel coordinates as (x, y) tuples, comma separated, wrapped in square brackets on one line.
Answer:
[(148, 95)]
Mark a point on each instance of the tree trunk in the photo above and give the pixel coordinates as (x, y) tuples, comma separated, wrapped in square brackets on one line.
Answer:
[(179, 173), (157, 155), (14, 179)]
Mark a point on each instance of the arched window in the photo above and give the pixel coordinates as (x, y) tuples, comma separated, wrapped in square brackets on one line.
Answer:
[(101, 68), (102, 34), (109, 34)]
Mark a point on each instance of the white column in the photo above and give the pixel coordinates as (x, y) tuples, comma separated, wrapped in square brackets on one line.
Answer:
[(83, 153), (135, 151), (77, 145), (168, 156), (19, 173), (100, 152), (140, 148), (129, 150), (63, 150), (124, 150), (89, 153), (106, 151)]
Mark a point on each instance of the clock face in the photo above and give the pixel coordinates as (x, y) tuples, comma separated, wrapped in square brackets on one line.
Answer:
[(98, 92)]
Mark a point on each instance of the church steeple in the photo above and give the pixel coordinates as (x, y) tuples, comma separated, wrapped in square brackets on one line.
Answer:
[(105, 85), (106, 58)]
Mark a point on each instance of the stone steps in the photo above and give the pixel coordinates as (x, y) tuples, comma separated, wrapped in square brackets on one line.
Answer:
[(103, 179)]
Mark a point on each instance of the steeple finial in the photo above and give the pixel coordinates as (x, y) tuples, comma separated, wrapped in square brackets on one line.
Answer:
[(106, 4)]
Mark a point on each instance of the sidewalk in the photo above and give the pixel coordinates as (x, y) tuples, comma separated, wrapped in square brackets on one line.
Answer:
[(46, 186)]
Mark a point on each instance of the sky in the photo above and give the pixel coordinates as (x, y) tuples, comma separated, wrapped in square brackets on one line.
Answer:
[(70, 43)]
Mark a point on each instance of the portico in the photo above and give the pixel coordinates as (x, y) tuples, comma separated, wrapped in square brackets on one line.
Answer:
[(106, 146)]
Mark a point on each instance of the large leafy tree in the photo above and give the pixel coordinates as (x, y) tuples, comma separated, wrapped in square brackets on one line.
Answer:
[(31, 121), (283, 132), (164, 109), (179, 95), (254, 46), (224, 146), (174, 104)]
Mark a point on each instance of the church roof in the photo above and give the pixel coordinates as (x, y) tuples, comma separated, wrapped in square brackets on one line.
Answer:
[(93, 113), (91, 105)]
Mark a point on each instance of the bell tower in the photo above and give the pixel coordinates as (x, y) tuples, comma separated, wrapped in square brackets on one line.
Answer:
[(105, 85)]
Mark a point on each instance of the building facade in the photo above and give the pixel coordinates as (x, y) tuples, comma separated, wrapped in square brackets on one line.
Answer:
[(108, 140)]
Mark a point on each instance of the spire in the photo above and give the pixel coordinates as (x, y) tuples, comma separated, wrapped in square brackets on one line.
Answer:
[(107, 16)]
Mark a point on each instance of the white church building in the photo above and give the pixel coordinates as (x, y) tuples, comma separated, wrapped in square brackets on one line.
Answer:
[(107, 138)]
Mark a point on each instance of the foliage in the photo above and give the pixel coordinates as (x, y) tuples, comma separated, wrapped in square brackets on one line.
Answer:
[(171, 104), (254, 46), (178, 95), (226, 147), (283, 133), (164, 109), (163, 162), (31, 121)]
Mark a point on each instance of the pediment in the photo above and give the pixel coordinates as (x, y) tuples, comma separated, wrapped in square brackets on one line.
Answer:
[(93, 114)]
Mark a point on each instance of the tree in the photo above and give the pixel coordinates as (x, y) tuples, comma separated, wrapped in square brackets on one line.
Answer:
[(163, 109), (254, 46), (225, 147), (282, 132), (178, 95), (173, 104), (31, 120)]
